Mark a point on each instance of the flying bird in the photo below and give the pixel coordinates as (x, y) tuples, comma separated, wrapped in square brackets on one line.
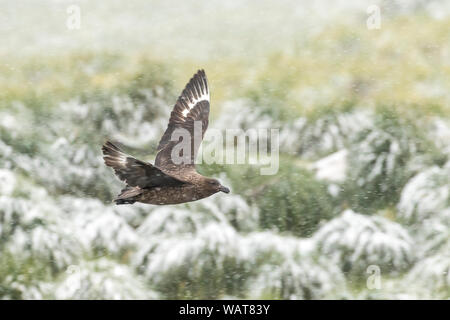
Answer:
[(169, 181)]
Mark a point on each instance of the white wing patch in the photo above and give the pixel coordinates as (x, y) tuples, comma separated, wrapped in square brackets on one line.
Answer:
[(113, 156), (120, 158), (195, 92)]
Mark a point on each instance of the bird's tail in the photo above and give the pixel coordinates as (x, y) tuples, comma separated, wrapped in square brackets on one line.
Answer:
[(124, 201), (128, 195)]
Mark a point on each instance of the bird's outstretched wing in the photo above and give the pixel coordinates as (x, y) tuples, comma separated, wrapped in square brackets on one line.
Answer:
[(134, 172), (190, 115)]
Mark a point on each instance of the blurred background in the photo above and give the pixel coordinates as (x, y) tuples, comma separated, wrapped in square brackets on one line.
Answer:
[(360, 208)]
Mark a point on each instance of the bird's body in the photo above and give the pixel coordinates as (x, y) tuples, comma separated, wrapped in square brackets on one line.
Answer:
[(168, 194), (169, 181), (173, 195)]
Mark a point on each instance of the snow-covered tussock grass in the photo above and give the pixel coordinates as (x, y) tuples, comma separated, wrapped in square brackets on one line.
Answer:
[(312, 138), (21, 206), (211, 246), (69, 166), (268, 247), (204, 264), (432, 234), (426, 195), (171, 221), (261, 262), (33, 229), (287, 268), (192, 217), (309, 137), (26, 291), (240, 114), (379, 154), (101, 279), (136, 124), (356, 241), (99, 227), (54, 245), (425, 206), (13, 212), (5, 154), (7, 182), (432, 275), (439, 132), (233, 209), (300, 279), (383, 158)]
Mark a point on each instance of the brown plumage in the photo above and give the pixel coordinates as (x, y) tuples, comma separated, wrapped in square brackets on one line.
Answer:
[(169, 181)]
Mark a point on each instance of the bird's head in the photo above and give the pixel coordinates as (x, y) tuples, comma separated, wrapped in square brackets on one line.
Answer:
[(215, 186)]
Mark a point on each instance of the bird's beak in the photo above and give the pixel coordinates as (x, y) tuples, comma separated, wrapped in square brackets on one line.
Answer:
[(224, 189)]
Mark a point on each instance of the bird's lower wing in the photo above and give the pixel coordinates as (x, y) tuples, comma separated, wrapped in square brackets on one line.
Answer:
[(134, 172)]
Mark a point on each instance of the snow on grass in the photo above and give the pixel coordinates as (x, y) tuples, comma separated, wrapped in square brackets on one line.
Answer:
[(101, 279), (355, 242)]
